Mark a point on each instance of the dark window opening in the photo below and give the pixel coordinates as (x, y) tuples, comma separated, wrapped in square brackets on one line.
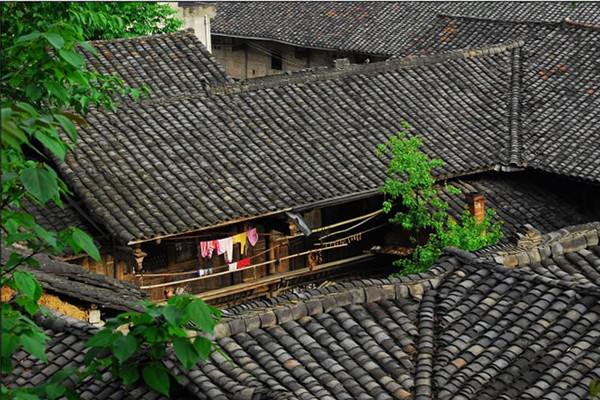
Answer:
[(276, 60)]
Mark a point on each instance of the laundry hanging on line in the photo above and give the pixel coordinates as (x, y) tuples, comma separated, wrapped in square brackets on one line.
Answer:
[(252, 236), (241, 239), (207, 248), (225, 245), (243, 263)]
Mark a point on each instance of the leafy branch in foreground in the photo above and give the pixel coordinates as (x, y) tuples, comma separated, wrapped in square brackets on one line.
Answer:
[(183, 323), (419, 209)]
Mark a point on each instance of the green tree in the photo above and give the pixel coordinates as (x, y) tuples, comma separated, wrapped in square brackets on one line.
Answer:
[(47, 88), (410, 189)]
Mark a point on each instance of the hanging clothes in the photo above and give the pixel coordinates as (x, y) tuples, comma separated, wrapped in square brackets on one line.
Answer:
[(241, 239), (207, 248), (204, 249), (226, 248), (243, 263), (252, 236), (233, 266)]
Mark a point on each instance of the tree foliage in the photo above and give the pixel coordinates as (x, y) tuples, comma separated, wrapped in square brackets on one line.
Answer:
[(138, 353), (47, 89), (410, 191)]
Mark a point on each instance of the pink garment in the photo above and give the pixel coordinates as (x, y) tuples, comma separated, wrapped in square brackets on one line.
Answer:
[(206, 248), (252, 236), (226, 248)]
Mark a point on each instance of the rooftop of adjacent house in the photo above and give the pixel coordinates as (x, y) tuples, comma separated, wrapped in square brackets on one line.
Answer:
[(521, 201), (379, 28), (513, 323), (72, 282), (559, 94)]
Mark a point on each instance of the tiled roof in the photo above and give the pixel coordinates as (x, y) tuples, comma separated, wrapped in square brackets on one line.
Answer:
[(474, 326), (384, 28), (65, 349), (518, 201), (468, 328), (76, 282), (558, 107), (169, 64), (179, 163)]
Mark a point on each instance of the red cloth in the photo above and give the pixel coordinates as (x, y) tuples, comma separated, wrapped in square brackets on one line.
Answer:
[(245, 262)]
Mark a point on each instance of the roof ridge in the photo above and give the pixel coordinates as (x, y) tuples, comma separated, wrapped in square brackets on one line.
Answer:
[(585, 25), (183, 32), (302, 77), (366, 69), (514, 109), (566, 240), (583, 289), (293, 307), (506, 21)]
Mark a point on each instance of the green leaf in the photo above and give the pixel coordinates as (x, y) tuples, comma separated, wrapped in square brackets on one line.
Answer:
[(91, 354), (56, 146), (102, 339), (172, 314), (202, 346), (54, 39), (58, 90), (71, 57), (34, 346), (129, 374), (185, 352), (25, 283), (199, 312), (6, 365), (10, 343), (28, 37), (67, 125), (33, 91), (87, 46), (156, 377), (54, 391), (63, 374), (40, 183), (124, 347), (85, 242)]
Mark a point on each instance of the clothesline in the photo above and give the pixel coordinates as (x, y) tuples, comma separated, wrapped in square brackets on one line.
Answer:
[(159, 285), (201, 235), (342, 223), (350, 228), (195, 271), (348, 238)]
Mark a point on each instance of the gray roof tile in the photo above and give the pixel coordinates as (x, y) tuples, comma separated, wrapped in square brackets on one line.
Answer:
[(372, 27)]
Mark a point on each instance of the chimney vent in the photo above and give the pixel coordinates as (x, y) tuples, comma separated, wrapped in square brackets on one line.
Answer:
[(476, 206)]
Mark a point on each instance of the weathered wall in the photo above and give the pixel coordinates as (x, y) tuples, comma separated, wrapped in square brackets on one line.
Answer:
[(198, 18), (243, 58)]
